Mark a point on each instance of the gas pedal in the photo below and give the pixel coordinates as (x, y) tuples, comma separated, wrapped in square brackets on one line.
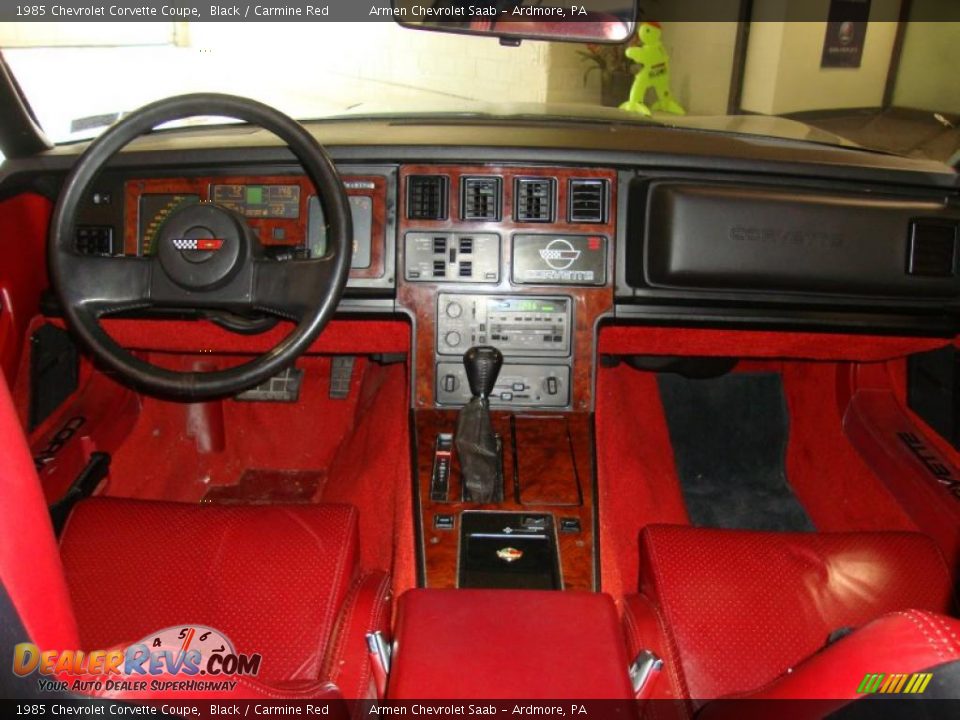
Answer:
[(341, 376)]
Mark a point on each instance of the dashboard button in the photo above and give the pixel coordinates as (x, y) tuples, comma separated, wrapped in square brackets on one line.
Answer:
[(452, 338), (454, 310)]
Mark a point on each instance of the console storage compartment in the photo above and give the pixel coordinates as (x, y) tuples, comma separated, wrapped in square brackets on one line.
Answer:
[(508, 644)]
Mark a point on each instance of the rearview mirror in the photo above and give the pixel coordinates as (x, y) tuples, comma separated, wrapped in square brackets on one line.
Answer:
[(594, 21)]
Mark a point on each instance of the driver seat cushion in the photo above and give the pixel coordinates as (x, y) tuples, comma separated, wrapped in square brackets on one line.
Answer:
[(271, 578), (730, 611)]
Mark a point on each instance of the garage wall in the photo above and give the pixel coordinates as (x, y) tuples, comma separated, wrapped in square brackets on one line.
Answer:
[(928, 74), (701, 62), (783, 73)]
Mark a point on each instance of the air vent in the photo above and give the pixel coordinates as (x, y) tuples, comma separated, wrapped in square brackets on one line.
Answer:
[(480, 198), (534, 200), (427, 197), (933, 249), (587, 201)]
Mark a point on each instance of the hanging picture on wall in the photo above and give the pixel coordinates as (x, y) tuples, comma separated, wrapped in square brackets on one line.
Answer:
[(846, 33)]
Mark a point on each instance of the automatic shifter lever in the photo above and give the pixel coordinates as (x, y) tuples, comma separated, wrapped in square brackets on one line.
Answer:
[(480, 468)]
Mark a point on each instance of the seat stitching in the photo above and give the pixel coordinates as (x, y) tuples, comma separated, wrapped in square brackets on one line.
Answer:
[(341, 563), (930, 621), (674, 667), (375, 615), (930, 640), (662, 618), (353, 596), (635, 639)]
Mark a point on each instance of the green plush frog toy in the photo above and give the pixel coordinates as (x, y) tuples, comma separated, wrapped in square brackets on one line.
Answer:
[(654, 73)]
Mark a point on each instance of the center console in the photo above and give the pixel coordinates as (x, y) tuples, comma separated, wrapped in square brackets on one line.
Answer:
[(511, 646), (520, 260)]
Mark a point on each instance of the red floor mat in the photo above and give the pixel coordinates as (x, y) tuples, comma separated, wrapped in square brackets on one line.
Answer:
[(831, 480), (263, 487), (354, 451), (179, 451), (636, 475)]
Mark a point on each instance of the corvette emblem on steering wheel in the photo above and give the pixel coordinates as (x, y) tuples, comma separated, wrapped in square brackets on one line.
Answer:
[(186, 243)]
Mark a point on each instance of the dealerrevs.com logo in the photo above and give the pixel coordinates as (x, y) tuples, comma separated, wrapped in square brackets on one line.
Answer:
[(183, 658)]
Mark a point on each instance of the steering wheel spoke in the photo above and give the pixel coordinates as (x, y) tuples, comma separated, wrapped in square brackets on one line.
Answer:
[(206, 258), (291, 289), (105, 285)]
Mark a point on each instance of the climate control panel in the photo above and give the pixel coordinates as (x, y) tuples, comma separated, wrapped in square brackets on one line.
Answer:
[(523, 326)]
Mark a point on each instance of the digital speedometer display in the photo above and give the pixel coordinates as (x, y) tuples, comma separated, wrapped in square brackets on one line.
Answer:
[(259, 201)]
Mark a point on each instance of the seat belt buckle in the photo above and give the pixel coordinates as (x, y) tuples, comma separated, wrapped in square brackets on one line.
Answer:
[(644, 671), (379, 651)]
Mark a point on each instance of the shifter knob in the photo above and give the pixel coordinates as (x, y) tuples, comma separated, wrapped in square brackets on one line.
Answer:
[(482, 365)]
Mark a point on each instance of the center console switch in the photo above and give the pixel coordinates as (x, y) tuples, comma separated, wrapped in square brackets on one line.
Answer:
[(518, 385)]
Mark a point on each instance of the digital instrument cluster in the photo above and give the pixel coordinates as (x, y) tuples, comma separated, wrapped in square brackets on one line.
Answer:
[(283, 215)]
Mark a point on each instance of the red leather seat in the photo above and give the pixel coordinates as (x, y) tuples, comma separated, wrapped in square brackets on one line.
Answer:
[(275, 579), (731, 612), (281, 581)]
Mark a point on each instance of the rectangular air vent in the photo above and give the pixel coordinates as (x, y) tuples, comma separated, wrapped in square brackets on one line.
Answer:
[(480, 198), (587, 201), (534, 200), (427, 197), (933, 249)]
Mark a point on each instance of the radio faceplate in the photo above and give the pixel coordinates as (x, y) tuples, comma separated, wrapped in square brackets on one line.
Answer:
[(516, 325)]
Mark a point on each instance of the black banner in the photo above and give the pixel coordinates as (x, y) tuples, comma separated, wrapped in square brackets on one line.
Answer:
[(383, 11), (860, 709)]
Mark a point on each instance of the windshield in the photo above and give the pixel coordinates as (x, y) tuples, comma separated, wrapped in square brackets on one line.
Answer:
[(885, 86)]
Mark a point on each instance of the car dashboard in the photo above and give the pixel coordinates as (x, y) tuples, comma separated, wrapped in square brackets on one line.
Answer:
[(480, 239)]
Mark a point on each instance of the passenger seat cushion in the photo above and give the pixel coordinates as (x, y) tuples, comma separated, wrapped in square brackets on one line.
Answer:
[(272, 578), (902, 643), (741, 608)]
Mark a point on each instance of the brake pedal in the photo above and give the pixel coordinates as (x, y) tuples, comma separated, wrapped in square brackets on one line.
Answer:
[(283, 387)]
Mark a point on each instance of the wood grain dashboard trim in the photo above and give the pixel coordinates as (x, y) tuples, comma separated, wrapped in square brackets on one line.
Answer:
[(295, 230), (588, 303), (568, 433)]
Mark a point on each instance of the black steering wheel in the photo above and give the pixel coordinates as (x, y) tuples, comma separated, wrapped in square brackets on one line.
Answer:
[(207, 258)]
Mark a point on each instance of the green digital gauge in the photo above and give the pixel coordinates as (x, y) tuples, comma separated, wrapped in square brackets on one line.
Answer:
[(155, 208)]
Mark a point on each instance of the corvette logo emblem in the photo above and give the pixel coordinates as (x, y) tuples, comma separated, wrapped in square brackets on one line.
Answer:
[(183, 243), (509, 554), (560, 254)]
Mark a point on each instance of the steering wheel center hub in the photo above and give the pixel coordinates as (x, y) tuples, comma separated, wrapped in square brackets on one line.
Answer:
[(201, 247)]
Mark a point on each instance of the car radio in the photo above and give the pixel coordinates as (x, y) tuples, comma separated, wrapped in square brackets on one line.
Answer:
[(516, 325)]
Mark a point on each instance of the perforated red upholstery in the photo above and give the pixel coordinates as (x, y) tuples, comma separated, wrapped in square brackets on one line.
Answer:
[(738, 609), (900, 643), (272, 578)]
